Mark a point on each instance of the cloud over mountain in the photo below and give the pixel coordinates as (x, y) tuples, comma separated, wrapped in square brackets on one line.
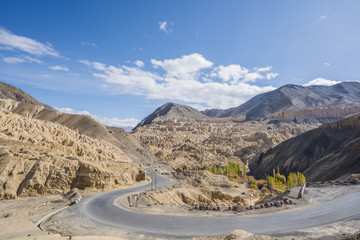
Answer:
[(190, 78)]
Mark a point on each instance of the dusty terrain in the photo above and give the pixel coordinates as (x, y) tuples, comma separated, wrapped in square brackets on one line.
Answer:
[(189, 188), (206, 142), (38, 157), (84, 125)]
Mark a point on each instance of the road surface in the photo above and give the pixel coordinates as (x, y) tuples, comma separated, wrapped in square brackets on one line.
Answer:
[(101, 209)]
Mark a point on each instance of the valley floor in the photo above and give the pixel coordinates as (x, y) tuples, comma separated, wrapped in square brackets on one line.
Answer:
[(18, 219)]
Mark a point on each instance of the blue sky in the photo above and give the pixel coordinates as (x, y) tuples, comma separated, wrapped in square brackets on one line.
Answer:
[(119, 60)]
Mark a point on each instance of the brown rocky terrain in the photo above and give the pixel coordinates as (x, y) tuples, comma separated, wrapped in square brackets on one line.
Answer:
[(200, 187), (41, 157), (208, 142), (326, 153), (25, 105)]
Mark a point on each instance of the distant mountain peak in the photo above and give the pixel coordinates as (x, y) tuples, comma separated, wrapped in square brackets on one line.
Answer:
[(293, 97), (172, 112)]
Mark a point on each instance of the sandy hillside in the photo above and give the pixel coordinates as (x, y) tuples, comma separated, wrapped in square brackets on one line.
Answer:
[(40, 157)]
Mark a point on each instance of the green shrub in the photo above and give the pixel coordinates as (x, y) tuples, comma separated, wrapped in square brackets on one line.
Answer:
[(252, 181), (281, 178), (253, 186)]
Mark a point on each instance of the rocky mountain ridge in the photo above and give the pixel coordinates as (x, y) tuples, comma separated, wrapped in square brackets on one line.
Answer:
[(172, 112), (293, 97)]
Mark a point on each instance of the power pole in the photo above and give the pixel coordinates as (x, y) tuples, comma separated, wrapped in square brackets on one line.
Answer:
[(151, 176), (155, 178)]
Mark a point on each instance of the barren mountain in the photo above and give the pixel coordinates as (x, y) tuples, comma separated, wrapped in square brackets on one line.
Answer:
[(325, 153), (26, 105), (206, 142), (293, 97), (39, 157), (172, 112)]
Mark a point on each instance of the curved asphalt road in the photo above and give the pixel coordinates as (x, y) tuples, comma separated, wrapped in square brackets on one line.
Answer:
[(102, 210)]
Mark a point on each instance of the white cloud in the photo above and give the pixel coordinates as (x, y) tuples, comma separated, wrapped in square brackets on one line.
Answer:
[(166, 27), (59, 68), (10, 41), (235, 73), (163, 25), (322, 18), (321, 81), (139, 63), (96, 65), (72, 111), (138, 49), (185, 66), (263, 69), (75, 74), (13, 60), (271, 75), (31, 59), (231, 72), (88, 44), (252, 77), (184, 79), (115, 122), (21, 59), (327, 63)]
